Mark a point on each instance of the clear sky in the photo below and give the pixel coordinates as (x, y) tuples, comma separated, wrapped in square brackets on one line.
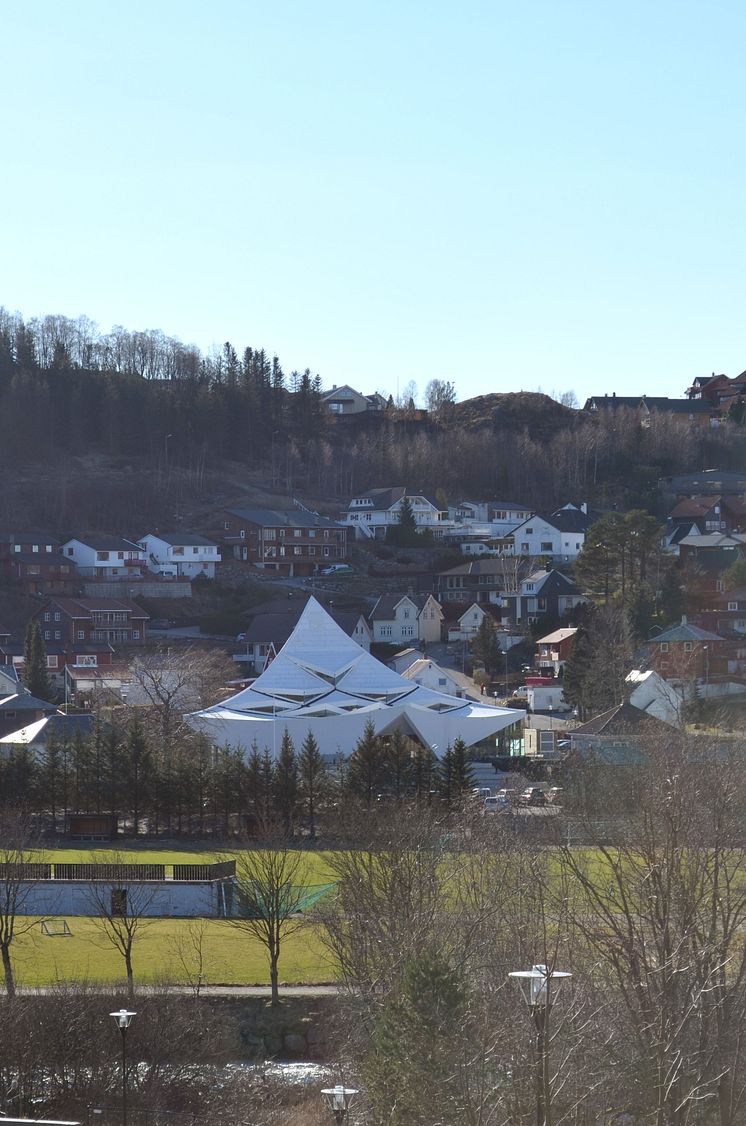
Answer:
[(510, 196)]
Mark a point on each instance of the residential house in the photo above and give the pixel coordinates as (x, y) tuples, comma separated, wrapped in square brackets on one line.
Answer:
[(726, 613), (81, 633), (296, 542), (403, 659), (699, 413), (707, 482), (553, 650), (426, 673), (706, 514), (105, 557), (479, 580), (371, 514), (18, 707), (718, 391), (12, 656), (618, 737), (544, 593), (466, 625), (655, 696), (180, 555), (57, 727), (399, 619), (559, 535), (500, 516), (686, 652), (345, 400), (35, 563)]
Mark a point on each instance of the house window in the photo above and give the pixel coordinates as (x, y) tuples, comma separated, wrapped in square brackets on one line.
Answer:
[(135, 635), (57, 616), (296, 533), (664, 646), (227, 525), (195, 551), (281, 533), (326, 552), (47, 635), (529, 531), (406, 613), (57, 635), (102, 556), (719, 586), (688, 646), (312, 551), (732, 605), (547, 546), (70, 551), (80, 635), (52, 662), (47, 616), (243, 534), (297, 551)]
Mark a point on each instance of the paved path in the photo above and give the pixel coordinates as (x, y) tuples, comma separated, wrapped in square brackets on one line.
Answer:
[(309, 991)]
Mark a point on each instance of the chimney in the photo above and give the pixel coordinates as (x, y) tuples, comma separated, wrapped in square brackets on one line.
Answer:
[(683, 619), (584, 508), (613, 394)]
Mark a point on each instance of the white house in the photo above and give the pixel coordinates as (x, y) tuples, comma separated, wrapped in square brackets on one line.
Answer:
[(372, 513), (105, 557), (466, 626), (180, 554), (400, 619), (430, 675), (560, 534)]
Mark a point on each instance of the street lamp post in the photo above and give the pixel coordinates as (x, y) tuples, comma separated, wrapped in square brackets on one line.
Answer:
[(506, 670), (338, 1100), (539, 986), (123, 1018)]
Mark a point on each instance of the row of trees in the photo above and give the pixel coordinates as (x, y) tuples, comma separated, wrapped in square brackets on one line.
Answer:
[(65, 387), (185, 786)]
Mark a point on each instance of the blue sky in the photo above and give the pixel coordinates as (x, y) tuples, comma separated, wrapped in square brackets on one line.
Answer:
[(509, 196)]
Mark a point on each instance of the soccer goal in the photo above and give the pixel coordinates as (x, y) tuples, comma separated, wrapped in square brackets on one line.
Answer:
[(55, 928)]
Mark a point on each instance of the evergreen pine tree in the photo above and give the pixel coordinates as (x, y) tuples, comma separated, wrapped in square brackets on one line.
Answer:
[(398, 755), (35, 674), (463, 778), (366, 768), (485, 647), (311, 773), (285, 783)]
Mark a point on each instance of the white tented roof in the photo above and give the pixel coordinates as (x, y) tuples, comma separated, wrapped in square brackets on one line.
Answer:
[(322, 681)]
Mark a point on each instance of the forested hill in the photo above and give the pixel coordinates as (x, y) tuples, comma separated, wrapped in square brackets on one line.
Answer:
[(98, 430)]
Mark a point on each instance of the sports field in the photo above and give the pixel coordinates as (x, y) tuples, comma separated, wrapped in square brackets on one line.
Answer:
[(164, 948)]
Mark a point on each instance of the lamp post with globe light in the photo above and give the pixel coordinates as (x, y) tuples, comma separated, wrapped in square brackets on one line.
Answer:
[(540, 986), (338, 1100), (123, 1018)]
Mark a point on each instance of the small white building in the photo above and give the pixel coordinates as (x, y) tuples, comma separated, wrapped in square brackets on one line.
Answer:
[(400, 619), (180, 554), (105, 557), (560, 535), (466, 626), (425, 672)]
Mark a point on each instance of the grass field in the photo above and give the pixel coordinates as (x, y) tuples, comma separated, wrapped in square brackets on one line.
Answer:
[(231, 956)]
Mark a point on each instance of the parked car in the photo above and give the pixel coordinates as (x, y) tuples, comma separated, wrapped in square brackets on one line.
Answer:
[(532, 795), (336, 569)]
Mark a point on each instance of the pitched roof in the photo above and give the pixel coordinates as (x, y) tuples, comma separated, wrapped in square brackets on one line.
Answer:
[(619, 720), (182, 539), (60, 726), (385, 608), (552, 582), (280, 518), (105, 543), (684, 631), (84, 607), (278, 626), (558, 636)]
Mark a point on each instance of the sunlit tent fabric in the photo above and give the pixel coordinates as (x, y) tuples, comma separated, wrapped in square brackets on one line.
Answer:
[(322, 681)]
